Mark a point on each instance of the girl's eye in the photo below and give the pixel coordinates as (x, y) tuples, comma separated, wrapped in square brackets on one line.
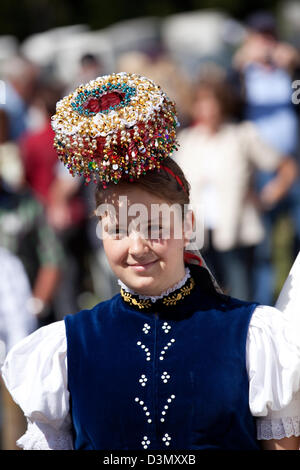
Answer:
[(117, 233)]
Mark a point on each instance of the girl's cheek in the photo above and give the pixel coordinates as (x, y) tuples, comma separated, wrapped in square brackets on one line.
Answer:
[(111, 249), (119, 251)]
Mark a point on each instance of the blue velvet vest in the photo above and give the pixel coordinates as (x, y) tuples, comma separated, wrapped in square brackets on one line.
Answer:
[(170, 375)]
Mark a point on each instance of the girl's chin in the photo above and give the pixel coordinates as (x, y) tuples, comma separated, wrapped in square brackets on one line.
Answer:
[(144, 286)]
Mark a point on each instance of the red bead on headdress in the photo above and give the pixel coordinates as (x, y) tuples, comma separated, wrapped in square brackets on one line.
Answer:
[(115, 127)]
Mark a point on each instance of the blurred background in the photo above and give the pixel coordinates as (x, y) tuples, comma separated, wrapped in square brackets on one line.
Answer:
[(232, 69)]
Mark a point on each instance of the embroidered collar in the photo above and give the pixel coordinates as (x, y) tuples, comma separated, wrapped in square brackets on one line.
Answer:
[(165, 293), (168, 298)]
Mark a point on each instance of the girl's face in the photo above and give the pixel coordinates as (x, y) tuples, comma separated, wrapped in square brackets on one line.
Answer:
[(146, 250)]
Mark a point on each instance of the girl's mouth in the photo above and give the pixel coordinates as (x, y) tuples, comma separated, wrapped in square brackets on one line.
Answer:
[(142, 266)]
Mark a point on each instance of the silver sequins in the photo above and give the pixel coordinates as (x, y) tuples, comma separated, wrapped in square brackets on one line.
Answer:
[(166, 407), (166, 327), (145, 442), (166, 439), (143, 380), (163, 352), (165, 377), (146, 328), (142, 346), (145, 408)]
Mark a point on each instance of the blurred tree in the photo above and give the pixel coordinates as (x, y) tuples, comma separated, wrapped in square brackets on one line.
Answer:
[(25, 17), (235, 8)]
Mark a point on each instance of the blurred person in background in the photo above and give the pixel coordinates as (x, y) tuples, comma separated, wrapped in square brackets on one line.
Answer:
[(20, 77), (38, 155), (17, 318), (218, 156), (16, 322), (264, 69), (25, 232), (89, 68)]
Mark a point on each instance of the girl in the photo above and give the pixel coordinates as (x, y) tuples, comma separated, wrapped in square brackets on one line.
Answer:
[(170, 362)]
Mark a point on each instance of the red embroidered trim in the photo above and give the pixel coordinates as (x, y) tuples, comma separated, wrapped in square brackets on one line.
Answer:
[(189, 256), (168, 170)]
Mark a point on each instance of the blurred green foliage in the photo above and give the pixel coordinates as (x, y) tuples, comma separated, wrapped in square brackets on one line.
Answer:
[(22, 18)]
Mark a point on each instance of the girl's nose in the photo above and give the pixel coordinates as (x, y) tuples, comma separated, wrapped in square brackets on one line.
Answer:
[(137, 245)]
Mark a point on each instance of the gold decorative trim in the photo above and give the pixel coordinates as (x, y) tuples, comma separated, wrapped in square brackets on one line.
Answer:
[(183, 292), (169, 300), (142, 303)]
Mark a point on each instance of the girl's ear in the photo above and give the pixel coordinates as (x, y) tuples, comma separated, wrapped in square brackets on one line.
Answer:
[(189, 225)]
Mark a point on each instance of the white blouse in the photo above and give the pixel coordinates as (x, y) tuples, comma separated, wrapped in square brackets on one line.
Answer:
[(35, 373)]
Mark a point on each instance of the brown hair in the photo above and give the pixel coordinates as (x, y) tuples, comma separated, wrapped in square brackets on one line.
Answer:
[(222, 90), (159, 183)]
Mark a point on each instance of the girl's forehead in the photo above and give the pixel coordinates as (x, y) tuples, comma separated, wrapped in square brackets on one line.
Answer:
[(118, 197), (137, 204)]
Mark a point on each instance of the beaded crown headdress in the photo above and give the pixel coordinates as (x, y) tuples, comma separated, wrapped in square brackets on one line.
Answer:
[(116, 126)]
